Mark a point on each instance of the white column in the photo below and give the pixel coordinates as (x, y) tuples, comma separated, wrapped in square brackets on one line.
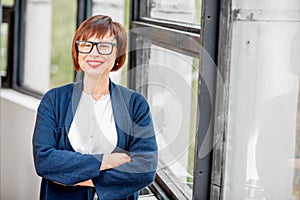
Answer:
[(38, 44)]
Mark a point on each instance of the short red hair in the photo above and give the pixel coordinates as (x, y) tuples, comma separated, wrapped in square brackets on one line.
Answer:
[(99, 26)]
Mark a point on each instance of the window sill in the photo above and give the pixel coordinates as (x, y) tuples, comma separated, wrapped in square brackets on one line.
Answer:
[(21, 99)]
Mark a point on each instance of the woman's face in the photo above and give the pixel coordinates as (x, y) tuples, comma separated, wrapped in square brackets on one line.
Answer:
[(96, 65)]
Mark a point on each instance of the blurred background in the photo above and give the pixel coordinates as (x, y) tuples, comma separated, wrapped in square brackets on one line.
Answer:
[(221, 77)]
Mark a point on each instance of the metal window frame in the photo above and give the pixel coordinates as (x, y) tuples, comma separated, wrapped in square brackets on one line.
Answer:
[(84, 10), (19, 49), (207, 36), (203, 171)]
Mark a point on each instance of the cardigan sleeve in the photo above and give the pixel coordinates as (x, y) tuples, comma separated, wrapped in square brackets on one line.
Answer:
[(63, 166), (130, 177)]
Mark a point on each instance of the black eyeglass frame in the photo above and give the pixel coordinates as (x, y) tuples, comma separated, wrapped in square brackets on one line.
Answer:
[(96, 44)]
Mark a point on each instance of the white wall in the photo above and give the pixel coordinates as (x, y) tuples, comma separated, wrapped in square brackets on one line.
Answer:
[(18, 178)]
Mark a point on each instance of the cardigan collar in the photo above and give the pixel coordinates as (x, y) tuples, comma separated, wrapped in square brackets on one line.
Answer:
[(119, 101)]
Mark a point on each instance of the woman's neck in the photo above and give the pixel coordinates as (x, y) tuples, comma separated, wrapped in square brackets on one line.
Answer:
[(96, 87)]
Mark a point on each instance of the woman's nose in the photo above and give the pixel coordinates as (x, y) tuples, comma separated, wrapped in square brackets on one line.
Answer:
[(94, 50)]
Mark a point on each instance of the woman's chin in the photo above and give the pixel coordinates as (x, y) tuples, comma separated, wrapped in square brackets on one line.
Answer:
[(95, 73)]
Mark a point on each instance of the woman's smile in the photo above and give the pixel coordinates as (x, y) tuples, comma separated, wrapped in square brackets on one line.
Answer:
[(94, 63)]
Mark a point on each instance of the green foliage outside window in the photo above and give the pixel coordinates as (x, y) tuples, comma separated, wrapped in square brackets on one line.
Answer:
[(63, 26)]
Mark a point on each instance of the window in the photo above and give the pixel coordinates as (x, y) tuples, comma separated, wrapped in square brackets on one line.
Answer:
[(164, 65), (48, 48), (171, 90), (168, 80), (46, 51)]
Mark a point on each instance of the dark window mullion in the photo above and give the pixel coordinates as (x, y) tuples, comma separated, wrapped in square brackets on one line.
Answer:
[(84, 10), (206, 98), (19, 44), (133, 55)]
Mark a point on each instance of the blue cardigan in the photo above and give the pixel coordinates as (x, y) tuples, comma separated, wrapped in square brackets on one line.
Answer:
[(56, 160)]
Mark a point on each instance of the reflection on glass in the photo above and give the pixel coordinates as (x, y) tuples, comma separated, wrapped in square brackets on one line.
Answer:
[(171, 87), (62, 70), (3, 50), (188, 11)]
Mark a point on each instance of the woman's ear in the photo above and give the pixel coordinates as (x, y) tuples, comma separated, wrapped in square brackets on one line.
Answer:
[(116, 65)]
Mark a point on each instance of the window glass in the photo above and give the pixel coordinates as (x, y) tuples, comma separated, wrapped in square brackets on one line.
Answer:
[(188, 11), (3, 50), (170, 85), (118, 10), (261, 129), (48, 60)]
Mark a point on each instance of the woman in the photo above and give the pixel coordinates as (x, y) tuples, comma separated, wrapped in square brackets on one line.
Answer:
[(93, 137)]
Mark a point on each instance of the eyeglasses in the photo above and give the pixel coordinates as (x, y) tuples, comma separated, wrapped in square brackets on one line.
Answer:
[(104, 48)]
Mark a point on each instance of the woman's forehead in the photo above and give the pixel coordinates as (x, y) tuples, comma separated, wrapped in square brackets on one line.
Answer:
[(105, 37)]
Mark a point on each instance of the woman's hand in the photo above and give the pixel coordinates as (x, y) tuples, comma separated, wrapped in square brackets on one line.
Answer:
[(114, 160), (88, 183), (109, 161)]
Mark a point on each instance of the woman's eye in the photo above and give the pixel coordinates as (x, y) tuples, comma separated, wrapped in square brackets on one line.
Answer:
[(103, 46), (86, 45)]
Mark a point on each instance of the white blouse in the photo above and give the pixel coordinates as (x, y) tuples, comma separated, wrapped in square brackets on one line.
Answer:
[(93, 129)]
